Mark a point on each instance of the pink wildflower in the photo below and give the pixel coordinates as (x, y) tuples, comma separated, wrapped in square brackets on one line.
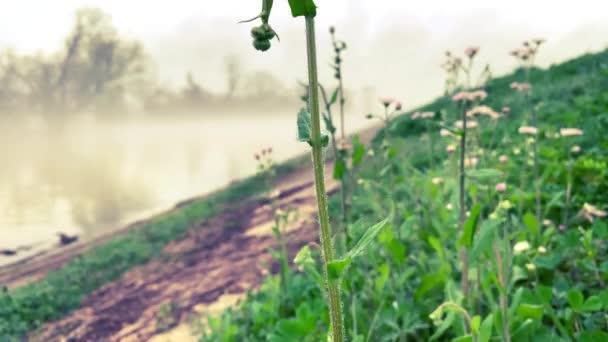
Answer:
[(386, 101), (501, 187), (471, 51), (567, 132)]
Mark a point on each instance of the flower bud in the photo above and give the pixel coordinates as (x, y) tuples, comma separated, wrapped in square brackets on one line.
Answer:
[(261, 44)]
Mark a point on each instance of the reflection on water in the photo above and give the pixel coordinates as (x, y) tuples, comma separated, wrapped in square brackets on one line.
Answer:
[(90, 177)]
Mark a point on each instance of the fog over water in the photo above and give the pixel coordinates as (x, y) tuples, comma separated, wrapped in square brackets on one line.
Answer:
[(96, 174)]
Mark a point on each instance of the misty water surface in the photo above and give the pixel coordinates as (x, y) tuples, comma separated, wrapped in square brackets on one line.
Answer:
[(90, 177)]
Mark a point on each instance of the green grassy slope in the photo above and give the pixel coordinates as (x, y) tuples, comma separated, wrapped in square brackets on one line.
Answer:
[(556, 289)]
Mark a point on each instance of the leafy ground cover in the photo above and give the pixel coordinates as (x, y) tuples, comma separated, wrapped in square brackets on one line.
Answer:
[(532, 275)]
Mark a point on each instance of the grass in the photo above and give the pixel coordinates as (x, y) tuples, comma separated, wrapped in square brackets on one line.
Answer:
[(527, 278), (25, 308)]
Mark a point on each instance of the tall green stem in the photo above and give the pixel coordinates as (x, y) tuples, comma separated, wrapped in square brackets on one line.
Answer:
[(333, 290), (535, 147), (464, 258), (568, 191)]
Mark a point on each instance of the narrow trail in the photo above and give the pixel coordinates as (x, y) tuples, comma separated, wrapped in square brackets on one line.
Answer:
[(227, 255), (203, 273)]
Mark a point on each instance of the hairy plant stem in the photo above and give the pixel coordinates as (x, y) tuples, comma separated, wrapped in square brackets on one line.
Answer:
[(342, 101), (536, 171), (333, 289), (338, 157), (464, 258), (568, 191), (504, 307)]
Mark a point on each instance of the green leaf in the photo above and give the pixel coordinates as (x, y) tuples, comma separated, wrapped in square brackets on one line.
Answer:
[(334, 96), (434, 242), (484, 174), (301, 8), (336, 268), (604, 298), (593, 303), (593, 336), (384, 270), (463, 338), (428, 283), (483, 240), (324, 140), (545, 293), (466, 239), (485, 332), (339, 168), (304, 126), (475, 324), (368, 237), (358, 151), (531, 223), (548, 261), (575, 299), (305, 129), (530, 311), (554, 201)]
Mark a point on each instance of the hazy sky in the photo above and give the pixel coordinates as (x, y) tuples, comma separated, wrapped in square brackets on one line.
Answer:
[(395, 46)]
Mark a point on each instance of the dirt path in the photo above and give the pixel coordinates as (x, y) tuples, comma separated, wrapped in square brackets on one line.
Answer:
[(224, 258)]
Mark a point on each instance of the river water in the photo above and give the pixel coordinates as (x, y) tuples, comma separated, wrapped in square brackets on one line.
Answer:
[(96, 176)]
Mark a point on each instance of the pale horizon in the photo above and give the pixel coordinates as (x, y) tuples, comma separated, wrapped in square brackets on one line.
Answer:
[(183, 36)]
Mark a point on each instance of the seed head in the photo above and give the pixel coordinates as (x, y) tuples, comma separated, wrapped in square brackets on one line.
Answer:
[(332, 29), (471, 51)]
